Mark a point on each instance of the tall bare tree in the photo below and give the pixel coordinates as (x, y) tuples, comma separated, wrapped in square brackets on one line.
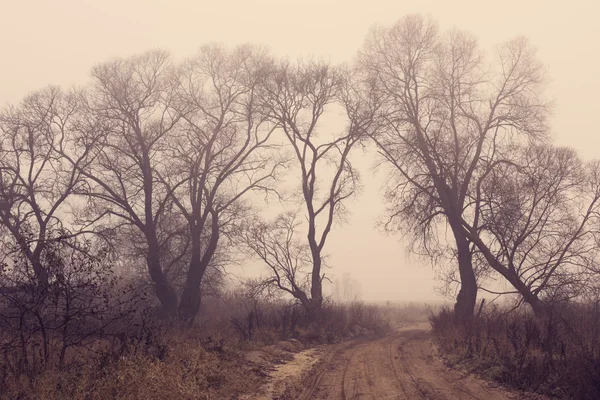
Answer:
[(297, 97), (447, 111), (219, 155), (131, 102)]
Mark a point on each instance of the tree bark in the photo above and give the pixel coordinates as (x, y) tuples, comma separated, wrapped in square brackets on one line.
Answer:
[(164, 291), (304, 300), (39, 270), (467, 296), (34, 257), (316, 288), (189, 304), (540, 309), (316, 284)]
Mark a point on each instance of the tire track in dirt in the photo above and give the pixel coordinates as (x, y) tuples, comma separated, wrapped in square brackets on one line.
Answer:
[(403, 366)]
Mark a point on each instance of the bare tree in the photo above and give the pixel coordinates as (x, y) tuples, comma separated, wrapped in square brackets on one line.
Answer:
[(288, 258), (538, 219), (37, 184), (297, 97), (130, 100), (220, 154), (446, 114)]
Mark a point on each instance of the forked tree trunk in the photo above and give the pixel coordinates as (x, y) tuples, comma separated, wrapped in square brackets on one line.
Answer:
[(164, 291), (311, 306), (189, 305), (539, 307), (34, 258), (464, 307)]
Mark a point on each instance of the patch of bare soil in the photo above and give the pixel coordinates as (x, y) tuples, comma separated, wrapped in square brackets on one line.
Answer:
[(287, 366), (402, 365)]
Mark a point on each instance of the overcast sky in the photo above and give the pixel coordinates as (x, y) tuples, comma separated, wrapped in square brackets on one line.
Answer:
[(58, 41)]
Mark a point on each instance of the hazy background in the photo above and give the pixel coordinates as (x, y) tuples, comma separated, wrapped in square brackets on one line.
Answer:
[(58, 41)]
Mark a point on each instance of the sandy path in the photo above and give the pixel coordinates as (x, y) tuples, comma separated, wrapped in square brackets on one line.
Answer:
[(402, 365)]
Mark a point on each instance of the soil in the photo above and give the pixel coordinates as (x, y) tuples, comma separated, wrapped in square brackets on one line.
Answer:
[(287, 366), (402, 365)]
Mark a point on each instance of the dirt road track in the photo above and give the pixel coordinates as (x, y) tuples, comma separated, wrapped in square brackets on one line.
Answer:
[(402, 365)]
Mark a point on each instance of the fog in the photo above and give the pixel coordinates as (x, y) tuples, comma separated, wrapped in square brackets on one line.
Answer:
[(57, 42)]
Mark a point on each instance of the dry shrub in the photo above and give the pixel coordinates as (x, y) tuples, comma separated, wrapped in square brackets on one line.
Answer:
[(245, 320), (559, 357), (88, 335), (146, 356), (155, 359), (340, 320)]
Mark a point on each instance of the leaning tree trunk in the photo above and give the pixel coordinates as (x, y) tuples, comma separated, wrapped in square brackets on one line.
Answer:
[(540, 308)]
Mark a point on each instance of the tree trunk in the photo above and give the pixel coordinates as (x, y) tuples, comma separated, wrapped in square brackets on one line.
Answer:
[(40, 272), (316, 288), (540, 308), (189, 304), (304, 300), (467, 296), (34, 258), (164, 291), (191, 296)]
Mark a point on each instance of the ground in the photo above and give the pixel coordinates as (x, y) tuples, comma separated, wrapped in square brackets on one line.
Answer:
[(402, 365)]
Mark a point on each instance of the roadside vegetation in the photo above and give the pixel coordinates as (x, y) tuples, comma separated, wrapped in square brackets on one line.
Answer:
[(138, 355), (559, 358)]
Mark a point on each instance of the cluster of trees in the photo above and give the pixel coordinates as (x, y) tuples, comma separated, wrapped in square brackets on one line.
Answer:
[(157, 164), (468, 142)]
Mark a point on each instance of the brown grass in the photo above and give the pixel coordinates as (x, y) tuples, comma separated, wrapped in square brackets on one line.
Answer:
[(559, 357), (152, 358)]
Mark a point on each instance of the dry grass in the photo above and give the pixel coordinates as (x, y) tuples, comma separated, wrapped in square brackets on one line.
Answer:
[(151, 358), (559, 357), (188, 373)]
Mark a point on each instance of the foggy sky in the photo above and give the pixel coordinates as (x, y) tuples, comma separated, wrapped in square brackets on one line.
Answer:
[(58, 41)]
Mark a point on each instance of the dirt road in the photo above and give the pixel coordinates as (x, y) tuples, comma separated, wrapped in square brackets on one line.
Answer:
[(402, 365)]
